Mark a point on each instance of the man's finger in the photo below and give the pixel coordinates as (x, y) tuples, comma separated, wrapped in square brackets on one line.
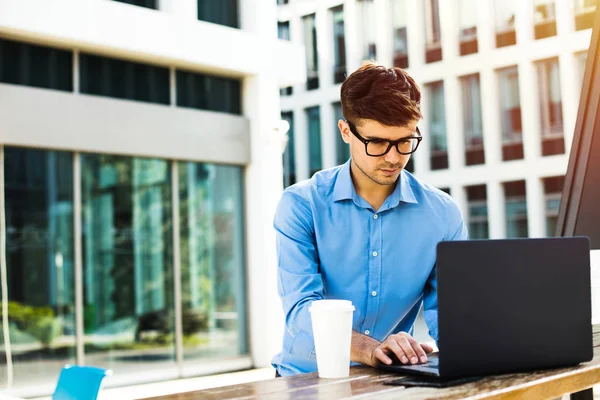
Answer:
[(408, 349), (381, 356), (393, 346), (419, 351), (428, 349)]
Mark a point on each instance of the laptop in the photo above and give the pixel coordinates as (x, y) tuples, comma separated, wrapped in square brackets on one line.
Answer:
[(510, 306)]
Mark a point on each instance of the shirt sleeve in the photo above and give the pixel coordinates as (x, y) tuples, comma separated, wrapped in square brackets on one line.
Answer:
[(456, 231), (299, 280)]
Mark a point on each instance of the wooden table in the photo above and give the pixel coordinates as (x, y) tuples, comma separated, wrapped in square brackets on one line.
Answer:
[(366, 382)]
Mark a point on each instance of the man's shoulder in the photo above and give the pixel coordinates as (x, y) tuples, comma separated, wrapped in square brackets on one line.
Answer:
[(428, 194), (319, 186)]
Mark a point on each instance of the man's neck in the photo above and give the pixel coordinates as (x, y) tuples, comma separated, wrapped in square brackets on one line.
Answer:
[(373, 193)]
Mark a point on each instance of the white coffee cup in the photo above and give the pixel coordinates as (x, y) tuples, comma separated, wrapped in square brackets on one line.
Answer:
[(332, 331)]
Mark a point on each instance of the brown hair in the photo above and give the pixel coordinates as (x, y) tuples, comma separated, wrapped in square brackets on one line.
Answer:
[(387, 95)]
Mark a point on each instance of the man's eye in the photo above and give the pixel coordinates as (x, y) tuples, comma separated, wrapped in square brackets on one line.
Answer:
[(378, 141)]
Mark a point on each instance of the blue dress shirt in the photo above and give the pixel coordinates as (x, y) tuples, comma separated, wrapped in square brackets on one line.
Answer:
[(331, 244)]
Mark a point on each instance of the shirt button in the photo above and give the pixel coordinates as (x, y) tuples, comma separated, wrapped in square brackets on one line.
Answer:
[(374, 254), (367, 332), (373, 293), (375, 216)]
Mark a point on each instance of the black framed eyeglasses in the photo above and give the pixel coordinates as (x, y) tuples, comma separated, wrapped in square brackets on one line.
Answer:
[(380, 147)]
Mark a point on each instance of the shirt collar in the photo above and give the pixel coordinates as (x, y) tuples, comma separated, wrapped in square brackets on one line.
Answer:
[(344, 189)]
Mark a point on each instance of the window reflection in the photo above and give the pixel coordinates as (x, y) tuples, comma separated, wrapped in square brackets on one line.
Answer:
[(212, 260), (127, 262), (40, 263), (437, 125), (516, 209)]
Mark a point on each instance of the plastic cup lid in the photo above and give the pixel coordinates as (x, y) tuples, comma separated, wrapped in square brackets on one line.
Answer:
[(332, 305)]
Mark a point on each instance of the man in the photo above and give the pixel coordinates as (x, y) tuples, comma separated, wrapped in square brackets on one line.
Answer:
[(365, 231)]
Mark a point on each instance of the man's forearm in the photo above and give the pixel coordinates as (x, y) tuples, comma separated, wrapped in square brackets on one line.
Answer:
[(362, 348)]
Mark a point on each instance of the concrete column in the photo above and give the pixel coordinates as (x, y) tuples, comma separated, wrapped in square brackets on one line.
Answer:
[(421, 157), (184, 9), (415, 30), (296, 37), (496, 210), (353, 29), (528, 85), (490, 110), (325, 46), (530, 109), (565, 23), (262, 192), (454, 123), (301, 143), (459, 194), (524, 22), (536, 210), (486, 31), (384, 33), (449, 29), (328, 135), (569, 74)]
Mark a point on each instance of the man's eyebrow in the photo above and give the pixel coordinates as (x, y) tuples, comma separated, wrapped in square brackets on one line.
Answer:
[(412, 135)]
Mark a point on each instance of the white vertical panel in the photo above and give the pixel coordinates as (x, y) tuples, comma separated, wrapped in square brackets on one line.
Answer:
[(536, 210), (415, 18), (454, 123), (496, 210)]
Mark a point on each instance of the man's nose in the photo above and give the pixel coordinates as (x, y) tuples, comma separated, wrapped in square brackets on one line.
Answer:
[(392, 156)]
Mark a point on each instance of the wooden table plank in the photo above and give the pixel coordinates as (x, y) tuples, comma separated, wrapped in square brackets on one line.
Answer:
[(366, 382)]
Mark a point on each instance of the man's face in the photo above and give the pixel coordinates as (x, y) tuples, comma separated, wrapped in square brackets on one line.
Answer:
[(384, 169)]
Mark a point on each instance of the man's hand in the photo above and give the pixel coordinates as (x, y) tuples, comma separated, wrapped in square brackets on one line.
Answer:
[(400, 346)]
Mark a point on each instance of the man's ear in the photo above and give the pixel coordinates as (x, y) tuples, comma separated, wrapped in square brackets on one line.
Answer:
[(344, 130)]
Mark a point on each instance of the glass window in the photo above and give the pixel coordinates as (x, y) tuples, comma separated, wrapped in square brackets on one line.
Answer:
[(544, 19), (312, 55), (510, 114), (472, 123), (222, 12), (516, 209), (207, 92), (283, 30), (433, 51), (313, 116), (505, 11), (123, 79), (400, 33), (127, 262), (212, 261), (550, 107), (553, 187), (30, 65), (339, 45), (367, 12), (140, 3), (467, 21), (478, 212), (585, 10), (289, 155), (437, 125), (40, 263), (342, 148)]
